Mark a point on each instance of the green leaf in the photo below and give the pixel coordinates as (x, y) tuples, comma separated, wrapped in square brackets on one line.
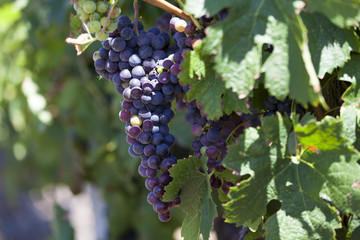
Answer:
[(324, 135), (351, 72), (62, 227), (75, 25), (288, 70), (298, 182), (190, 229), (355, 228), (330, 46), (207, 87), (342, 13), (186, 175)]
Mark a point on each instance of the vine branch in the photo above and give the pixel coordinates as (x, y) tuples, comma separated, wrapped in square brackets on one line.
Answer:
[(169, 8)]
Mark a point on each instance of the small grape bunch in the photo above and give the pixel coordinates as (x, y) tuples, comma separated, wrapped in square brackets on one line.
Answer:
[(94, 14)]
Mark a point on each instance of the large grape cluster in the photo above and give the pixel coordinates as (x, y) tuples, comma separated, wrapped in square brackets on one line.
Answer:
[(94, 14), (144, 69)]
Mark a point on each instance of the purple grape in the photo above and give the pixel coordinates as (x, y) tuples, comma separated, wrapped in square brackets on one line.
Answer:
[(151, 199), (158, 191), (197, 130), (212, 152), (165, 179), (150, 183), (147, 125), (164, 217), (150, 172), (154, 162), (176, 202), (130, 140), (142, 171), (149, 150), (124, 116), (134, 131)]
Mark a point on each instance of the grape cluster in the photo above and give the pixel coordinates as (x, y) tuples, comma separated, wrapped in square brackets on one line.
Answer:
[(144, 69), (94, 14), (272, 105), (211, 139)]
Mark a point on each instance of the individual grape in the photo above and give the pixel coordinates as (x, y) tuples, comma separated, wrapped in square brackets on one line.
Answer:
[(154, 30), (169, 140), (123, 21), (180, 25), (154, 162), (151, 172), (136, 121), (196, 145), (138, 148), (149, 150), (134, 60), (126, 54), (212, 152), (150, 183), (161, 207), (164, 217), (142, 171), (158, 55), (94, 26), (138, 104), (213, 135), (111, 66), (165, 179), (175, 69), (163, 129), (162, 150), (125, 75), (118, 44), (156, 98), (175, 203), (173, 22), (130, 140), (124, 116), (100, 64), (147, 125), (89, 7), (268, 106), (134, 131), (114, 56), (145, 138), (158, 191), (127, 33), (138, 72), (157, 138), (132, 42), (102, 7), (196, 130), (146, 99), (132, 153), (152, 199), (158, 42), (164, 77), (135, 83), (190, 29), (215, 182), (145, 52), (94, 16)]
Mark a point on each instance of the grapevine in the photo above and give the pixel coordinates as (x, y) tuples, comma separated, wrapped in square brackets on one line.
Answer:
[(255, 107)]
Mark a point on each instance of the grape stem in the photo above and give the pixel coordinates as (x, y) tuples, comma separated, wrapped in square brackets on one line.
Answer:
[(242, 124), (169, 8), (107, 20), (136, 17)]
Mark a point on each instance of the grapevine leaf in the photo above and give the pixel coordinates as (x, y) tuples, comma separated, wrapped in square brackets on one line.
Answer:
[(259, 233), (277, 133), (324, 135), (351, 72), (330, 46), (355, 228), (208, 212), (190, 229), (342, 13), (297, 182), (288, 69), (193, 66), (186, 174), (210, 89), (75, 25)]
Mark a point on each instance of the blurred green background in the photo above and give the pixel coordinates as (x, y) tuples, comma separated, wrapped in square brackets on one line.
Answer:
[(59, 126)]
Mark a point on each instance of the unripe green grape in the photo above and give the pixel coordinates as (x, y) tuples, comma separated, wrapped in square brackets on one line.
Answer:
[(94, 26), (111, 27), (83, 15), (103, 21), (80, 2), (89, 7), (102, 7), (203, 150), (116, 12), (76, 7), (103, 36), (96, 56), (94, 16)]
